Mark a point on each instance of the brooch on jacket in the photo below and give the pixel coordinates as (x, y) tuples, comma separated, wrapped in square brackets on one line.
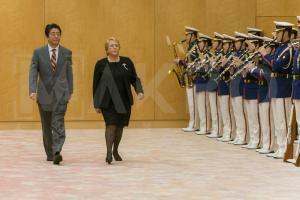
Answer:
[(124, 65)]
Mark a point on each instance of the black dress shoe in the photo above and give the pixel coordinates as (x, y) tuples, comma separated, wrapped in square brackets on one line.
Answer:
[(57, 158), (49, 159), (117, 156), (108, 158)]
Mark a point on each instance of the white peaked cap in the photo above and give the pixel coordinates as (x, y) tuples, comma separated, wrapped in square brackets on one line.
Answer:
[(191, 29), (241, 35), (253, 29), (201, 35)]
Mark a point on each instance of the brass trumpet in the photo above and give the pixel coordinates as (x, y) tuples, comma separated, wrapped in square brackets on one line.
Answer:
[(244, 65), (241, 57), (249, 59), (215, 64)]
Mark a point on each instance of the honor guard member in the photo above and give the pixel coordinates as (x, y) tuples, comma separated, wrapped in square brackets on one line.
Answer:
[(223, 90), (212, 87), (296, 81), (236, 90), (191, 40), (204, 44), (250, 93), (280, 83), (263, 75)]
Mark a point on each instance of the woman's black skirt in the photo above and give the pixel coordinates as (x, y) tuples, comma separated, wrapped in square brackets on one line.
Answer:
[(111, 117)]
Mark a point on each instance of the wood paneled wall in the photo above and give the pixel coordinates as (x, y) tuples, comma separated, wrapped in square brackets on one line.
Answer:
[(141, 26), (269, 11)]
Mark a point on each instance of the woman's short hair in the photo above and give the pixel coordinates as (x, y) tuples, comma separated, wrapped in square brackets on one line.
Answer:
[(111, 39)]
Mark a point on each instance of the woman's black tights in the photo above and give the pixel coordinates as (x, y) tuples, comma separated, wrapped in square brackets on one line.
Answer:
[(113, 136)]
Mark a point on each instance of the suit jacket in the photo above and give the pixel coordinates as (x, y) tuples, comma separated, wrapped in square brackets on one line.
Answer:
[(51, 86), (114, 83)]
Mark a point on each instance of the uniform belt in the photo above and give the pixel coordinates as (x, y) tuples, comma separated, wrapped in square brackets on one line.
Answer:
[(296, 77), (279, 75), (248, 81), (262, 83)]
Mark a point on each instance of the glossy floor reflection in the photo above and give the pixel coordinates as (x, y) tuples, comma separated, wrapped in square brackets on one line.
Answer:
[(158, 164)]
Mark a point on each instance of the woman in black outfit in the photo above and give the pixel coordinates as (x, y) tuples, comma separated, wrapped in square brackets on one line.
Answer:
[(113, 76)]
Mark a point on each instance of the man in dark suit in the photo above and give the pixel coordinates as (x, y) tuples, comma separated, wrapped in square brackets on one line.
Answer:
[(51, 84)]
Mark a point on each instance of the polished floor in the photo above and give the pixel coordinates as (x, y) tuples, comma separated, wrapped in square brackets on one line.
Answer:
[(162, 164)]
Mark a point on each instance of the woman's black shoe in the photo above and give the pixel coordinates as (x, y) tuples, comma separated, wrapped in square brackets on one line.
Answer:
[(108, 158), (117, 156)]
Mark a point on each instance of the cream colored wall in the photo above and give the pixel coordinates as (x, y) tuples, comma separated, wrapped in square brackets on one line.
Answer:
[(21, 24), (141, 26)]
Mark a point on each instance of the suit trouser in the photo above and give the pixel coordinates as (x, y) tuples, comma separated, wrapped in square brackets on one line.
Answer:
[(265, 124), (239, 116), (53, 127), (193, 111), (297, 108), (227, 117), (203, 111), (216, 121), (281, 109), (253, 122)]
